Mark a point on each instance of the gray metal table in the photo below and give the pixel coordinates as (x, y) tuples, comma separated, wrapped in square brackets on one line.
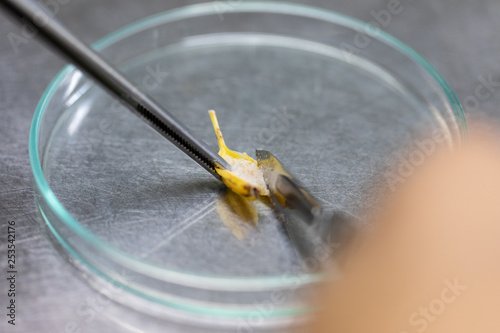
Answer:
[(458, 37)]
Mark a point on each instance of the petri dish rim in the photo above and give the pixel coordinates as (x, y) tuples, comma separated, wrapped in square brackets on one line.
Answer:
[(211, 282)]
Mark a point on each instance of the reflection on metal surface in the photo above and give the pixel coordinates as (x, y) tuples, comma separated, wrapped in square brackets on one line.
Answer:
[(237, 213)]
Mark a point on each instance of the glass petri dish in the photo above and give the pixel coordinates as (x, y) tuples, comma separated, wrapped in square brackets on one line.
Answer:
[(335, 99)]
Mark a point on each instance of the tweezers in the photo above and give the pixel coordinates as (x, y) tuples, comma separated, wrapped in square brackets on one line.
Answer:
[(309, 226), (87, 60), (307, 222)]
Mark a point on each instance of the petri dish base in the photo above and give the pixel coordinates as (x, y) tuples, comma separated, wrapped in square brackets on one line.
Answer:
[(133, 212)]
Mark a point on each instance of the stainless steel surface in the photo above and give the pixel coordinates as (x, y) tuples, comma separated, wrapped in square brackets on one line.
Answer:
[(62, 40), (459, 37)]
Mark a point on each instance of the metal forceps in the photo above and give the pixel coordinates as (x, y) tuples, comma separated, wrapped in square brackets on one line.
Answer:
[(309, 226), (307, 221), (87, 60)]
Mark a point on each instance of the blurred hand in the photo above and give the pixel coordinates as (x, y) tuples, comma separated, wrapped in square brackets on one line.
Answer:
[(433, 262)]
